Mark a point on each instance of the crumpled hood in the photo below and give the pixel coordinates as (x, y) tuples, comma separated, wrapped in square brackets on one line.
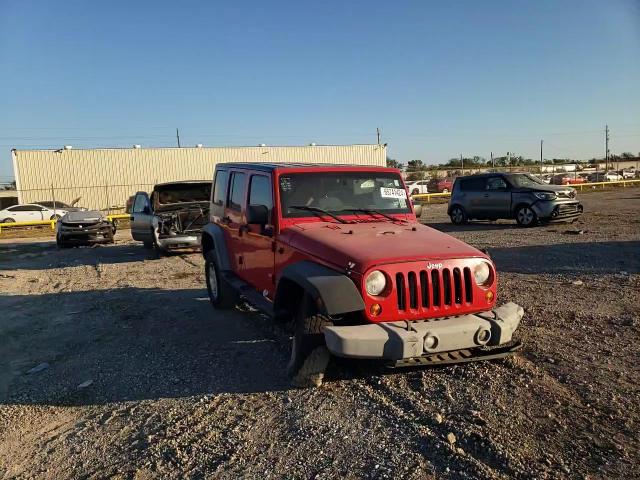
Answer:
[(375, 243), (88, 216)]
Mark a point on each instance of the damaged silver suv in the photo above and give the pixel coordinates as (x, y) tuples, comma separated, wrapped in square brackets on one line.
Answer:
[(172, 216), (519, 196)]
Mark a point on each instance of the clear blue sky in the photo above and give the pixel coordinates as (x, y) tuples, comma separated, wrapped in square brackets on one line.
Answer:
[(439, 78)]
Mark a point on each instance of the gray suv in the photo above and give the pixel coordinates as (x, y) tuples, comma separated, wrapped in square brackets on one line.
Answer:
[(522, 196)]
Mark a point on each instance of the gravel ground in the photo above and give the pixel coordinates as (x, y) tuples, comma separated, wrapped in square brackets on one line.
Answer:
[(114, 365)]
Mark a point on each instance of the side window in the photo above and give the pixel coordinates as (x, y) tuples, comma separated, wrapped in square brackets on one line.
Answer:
[(496, 183), (220, 188), (236, 191), (472, 184), (260, 191), (139, 204)]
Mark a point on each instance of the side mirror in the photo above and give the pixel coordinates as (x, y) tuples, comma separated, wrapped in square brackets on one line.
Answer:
[(257, 215)]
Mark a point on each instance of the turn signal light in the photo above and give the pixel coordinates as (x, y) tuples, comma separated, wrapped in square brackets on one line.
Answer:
[(489, 296), (375, 309)]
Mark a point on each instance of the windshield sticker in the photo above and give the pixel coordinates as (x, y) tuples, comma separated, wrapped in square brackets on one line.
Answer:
[(387, 192), (285, 184), (396, 183)]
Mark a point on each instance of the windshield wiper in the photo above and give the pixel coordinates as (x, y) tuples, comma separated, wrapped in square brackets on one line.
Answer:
[(372, 212), (318, 211)]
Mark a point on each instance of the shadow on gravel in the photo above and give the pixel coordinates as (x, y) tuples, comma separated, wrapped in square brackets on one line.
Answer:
[(475, 226), (29, 256), (133, 344), (578, 258)]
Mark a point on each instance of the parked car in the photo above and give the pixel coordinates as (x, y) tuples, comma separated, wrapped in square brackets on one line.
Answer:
[(417, 187), (597, 177), (441, 185), (29, 212), (613, 176), (316, 247), (58, 205), (566, 179), (520, 196), (84, 227), (629, 173), (172, 216)]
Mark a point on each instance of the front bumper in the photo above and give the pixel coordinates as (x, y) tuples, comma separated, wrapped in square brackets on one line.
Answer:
[(87, 234), (180, 241), (558, 211), (410, 339)]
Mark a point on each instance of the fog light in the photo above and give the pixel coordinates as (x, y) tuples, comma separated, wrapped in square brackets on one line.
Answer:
[(489, 296), (482, 336), (375, 309)]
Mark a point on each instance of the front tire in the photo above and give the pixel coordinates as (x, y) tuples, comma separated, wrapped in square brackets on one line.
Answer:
[(309, 354), (8, 220), (221, 294), (458, 215), (526, 217)]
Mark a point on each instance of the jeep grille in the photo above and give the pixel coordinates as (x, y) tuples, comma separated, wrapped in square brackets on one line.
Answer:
[(428, 289)]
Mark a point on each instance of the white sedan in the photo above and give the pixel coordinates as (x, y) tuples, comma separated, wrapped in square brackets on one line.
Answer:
[(613, 176), (29, 212), (417, 187)]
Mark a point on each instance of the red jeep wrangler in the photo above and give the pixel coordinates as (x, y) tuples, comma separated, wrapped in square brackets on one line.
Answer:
[(337, 252)]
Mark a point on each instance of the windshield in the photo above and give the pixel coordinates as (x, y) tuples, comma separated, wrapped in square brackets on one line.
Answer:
[(525, 180), (337, 192)]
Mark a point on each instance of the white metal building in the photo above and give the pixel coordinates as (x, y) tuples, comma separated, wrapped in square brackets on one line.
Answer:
[(105, 178)]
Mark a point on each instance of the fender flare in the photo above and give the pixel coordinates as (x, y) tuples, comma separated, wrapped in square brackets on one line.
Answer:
[(213, 238), (332, 292)]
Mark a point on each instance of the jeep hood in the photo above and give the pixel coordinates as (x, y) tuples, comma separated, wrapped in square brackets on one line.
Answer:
[(375, 243)]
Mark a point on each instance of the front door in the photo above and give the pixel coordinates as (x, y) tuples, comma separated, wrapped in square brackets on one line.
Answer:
[(141, 218), (257, 240)]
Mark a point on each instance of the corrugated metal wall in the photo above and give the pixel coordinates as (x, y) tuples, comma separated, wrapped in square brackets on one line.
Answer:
[(107, 177)]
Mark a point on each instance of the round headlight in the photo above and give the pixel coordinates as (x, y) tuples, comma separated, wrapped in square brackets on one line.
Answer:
[(482, 273), (375, 282)]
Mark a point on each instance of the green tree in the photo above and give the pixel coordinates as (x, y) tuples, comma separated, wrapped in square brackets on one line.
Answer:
[(393, 163)]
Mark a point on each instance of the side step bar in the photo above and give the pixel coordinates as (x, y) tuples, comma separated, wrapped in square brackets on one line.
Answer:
[(249, 294), (458, 356)]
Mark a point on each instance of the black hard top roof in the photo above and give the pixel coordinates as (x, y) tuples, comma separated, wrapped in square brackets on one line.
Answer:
[(268, 167)]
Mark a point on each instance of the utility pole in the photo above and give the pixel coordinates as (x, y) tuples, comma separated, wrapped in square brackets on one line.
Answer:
[(493, 162), (462, 164), (541, 142), (606, 148), (378, 134), (178, 137)]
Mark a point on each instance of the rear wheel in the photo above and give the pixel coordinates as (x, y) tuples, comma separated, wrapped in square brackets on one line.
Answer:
[(526, 217), (415, 191), (55, 217), (309, 353), (458, 215), (8, 220), (221, 294)]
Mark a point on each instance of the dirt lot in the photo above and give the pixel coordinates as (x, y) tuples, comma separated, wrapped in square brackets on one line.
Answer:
[(140, 378)]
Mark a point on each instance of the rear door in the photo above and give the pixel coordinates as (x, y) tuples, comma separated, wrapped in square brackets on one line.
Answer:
[(472, 190), (496, 200), (234, 218), (257, 240), (141, 218)]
